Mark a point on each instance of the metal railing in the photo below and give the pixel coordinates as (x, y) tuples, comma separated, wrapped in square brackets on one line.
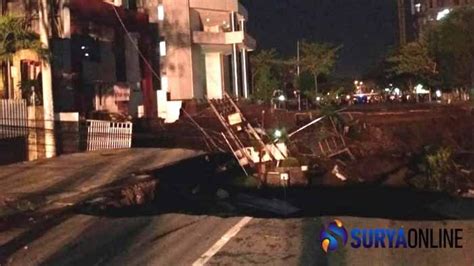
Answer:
[(103, 135), (13, 119)]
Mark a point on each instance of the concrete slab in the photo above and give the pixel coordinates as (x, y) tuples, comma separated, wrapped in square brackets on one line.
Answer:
[(47, 180)]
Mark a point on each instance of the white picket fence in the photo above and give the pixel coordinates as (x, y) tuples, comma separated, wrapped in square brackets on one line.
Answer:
[(13, 118), (105, 135)]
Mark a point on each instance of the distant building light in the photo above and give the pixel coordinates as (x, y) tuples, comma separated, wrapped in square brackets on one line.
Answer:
[(162, 48), (420, 90), (442, 14), (281, 98), (83, 47), (318, 98), (161, 12), (348, 97), (418, 7), (438, 94), (396, 91), (86, 54)]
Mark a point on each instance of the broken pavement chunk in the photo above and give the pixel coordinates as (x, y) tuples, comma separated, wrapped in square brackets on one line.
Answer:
[(335, 171)]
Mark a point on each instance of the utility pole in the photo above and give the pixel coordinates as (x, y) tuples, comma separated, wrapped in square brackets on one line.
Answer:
[(47, 81), (298, 58), (402, 22), (298, 72)]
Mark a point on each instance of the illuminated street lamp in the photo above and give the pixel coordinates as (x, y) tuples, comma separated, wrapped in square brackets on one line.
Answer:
[(278, 134)]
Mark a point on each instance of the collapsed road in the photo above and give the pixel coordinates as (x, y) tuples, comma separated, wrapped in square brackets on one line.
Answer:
[(193, 210), (171, 206)]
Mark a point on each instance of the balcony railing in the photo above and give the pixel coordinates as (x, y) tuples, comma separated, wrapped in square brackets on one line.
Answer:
[(224, 38), (220, 5)]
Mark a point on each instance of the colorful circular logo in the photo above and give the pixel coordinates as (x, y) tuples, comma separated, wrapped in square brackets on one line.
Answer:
[(328, 235)]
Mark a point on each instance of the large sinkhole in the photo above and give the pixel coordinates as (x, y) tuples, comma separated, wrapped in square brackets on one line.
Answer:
[(215, 185)]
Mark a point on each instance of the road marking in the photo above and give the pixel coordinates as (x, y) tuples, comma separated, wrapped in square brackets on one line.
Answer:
[(222, 241)]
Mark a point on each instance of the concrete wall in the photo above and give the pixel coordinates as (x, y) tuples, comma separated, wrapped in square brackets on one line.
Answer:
[(215, 75), (177, 34)]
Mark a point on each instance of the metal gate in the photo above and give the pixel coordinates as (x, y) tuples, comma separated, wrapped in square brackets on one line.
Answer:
[(13, 119), (105, 135)]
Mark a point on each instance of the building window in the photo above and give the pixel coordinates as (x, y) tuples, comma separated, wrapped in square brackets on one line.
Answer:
[(161, 12), (162, 48)]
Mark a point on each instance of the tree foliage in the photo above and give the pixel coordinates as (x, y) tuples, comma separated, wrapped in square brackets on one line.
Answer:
[(265, 77), (413, 61), (15, 35), (317, 59), (452, 41), (444, 53)]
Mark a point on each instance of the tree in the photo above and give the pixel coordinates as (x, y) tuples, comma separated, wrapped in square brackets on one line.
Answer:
[(265, 84), (15, 36), (264, 74), (412, 62), (453, 44), (317, 59)]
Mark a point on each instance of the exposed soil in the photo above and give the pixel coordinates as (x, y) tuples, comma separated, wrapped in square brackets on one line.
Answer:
[(384, 138)]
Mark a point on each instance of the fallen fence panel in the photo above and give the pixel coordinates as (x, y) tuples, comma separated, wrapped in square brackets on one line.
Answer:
[(104, 135)]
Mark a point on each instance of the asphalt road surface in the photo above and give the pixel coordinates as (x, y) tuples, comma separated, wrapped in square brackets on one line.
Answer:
[(179, 239)]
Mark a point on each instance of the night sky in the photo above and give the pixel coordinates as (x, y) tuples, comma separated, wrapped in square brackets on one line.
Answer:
[(366, 28)]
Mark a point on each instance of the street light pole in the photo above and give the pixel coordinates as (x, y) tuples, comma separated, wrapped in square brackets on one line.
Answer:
[(298, 58)]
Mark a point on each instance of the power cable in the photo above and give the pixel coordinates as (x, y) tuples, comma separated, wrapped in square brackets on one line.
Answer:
[(134, 44)]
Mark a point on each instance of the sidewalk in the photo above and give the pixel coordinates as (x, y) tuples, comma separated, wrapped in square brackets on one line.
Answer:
[(33, 185)]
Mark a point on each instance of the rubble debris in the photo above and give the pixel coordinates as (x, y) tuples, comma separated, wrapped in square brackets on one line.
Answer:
[(222, 194), (335, 171), (253, 148)]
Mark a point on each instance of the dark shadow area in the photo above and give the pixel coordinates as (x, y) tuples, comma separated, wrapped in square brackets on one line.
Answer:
[(205, 186), (42, 226), (13, 150), (371, 202)]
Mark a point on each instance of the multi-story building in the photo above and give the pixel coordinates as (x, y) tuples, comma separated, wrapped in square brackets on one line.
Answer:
[(203, 48), (162, 51), (97, 49), (420, 14)]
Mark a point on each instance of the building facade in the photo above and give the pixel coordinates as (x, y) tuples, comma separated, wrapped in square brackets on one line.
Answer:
[(96, 47), (416, 16), (203, 48)]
